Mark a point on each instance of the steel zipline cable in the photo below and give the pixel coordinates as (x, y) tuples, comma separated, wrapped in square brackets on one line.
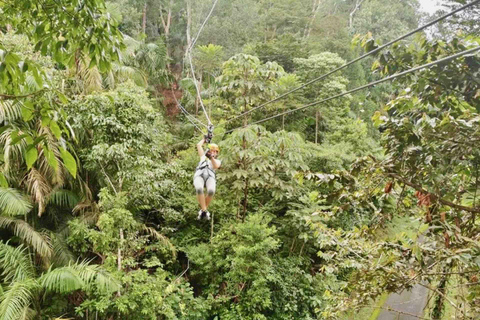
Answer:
[(371, 84), (188, 115), (189, 54), (357, 59), (202, 26)]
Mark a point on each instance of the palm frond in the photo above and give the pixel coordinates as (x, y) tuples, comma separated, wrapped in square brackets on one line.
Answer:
[(13, 202), (62, 255), (16, 263), (131, 45), (158, 236), (84, 189), (28, 314), (96, 275), (55, 175), (12, 154), (31, 83), (123, 73), (92, 80), (63, 198), (61, 280), (39, 188), (17, 298), (10, 110), (39, 242), (89, 210)]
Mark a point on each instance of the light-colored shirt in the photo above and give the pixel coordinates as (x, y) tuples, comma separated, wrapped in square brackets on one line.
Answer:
[(208, 161)]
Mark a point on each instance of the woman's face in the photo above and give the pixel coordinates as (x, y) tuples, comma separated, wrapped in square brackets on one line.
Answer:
[(214, 153)]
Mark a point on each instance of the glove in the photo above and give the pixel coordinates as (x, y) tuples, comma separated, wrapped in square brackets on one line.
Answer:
[(208, 154)]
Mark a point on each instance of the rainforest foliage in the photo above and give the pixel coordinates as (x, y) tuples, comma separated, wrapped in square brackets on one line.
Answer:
[(97, 206)]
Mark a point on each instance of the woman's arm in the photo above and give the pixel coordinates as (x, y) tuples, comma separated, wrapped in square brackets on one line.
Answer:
[(201, 153), (215, 163)]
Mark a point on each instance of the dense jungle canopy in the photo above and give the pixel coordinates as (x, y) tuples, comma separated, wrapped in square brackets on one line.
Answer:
[(319, 213)]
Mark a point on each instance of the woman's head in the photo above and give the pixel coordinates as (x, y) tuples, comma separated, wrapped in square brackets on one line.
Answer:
[(214, 149)]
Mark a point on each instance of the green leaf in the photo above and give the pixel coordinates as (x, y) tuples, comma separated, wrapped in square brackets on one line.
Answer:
[(17, 139), (3, 181), (63, 98), (51, 159), (27, 113), (69, 162), (45, 121), (423, 228), (55, 129), (31, 156)]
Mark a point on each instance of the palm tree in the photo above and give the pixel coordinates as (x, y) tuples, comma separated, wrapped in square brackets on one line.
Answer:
[(26, 288), (24, 285), (144, 63)]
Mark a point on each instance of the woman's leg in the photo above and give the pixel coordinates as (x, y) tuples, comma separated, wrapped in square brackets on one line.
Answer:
[(198, 182), (211, 187)]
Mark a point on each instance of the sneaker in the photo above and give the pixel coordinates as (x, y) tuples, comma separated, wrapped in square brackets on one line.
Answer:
[(207, 215), (200, 215)]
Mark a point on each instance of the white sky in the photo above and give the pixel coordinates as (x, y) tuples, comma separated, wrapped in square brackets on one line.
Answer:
[(430, 6)]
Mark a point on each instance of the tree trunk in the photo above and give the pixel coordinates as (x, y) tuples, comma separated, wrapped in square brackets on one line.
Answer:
[(358, 3), (316, 127), (245, 106), (315, 9), (144, 20), (189, 24), (245, 200), (245, 190), (119, 256), (166, 23)]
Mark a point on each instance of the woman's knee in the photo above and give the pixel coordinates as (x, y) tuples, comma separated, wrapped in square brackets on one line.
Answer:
[(210, 192)]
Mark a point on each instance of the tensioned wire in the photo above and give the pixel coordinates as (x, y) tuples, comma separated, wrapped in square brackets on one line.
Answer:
[(356, 59), (371, 84), (189, 53)]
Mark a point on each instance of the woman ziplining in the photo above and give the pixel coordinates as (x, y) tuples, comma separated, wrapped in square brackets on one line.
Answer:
[(204, 176)]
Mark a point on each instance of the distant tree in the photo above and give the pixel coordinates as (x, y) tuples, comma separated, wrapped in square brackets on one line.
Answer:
[(466, 21)]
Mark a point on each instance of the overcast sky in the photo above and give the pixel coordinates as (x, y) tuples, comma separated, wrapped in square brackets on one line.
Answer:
[(430, 6)]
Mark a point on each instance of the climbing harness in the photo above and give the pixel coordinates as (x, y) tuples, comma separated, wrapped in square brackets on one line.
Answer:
[(204, 164)]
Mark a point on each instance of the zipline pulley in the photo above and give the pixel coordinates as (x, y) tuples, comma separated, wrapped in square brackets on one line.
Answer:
[(209, 135)]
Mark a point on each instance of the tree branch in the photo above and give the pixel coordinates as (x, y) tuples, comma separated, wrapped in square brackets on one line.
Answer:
[(443, 295), (435, 196), (10, 96), (358, 3), (396, 311)]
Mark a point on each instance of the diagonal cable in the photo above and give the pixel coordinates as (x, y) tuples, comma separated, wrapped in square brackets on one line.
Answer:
[(358, 59), (371, 84), (189, 53)]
